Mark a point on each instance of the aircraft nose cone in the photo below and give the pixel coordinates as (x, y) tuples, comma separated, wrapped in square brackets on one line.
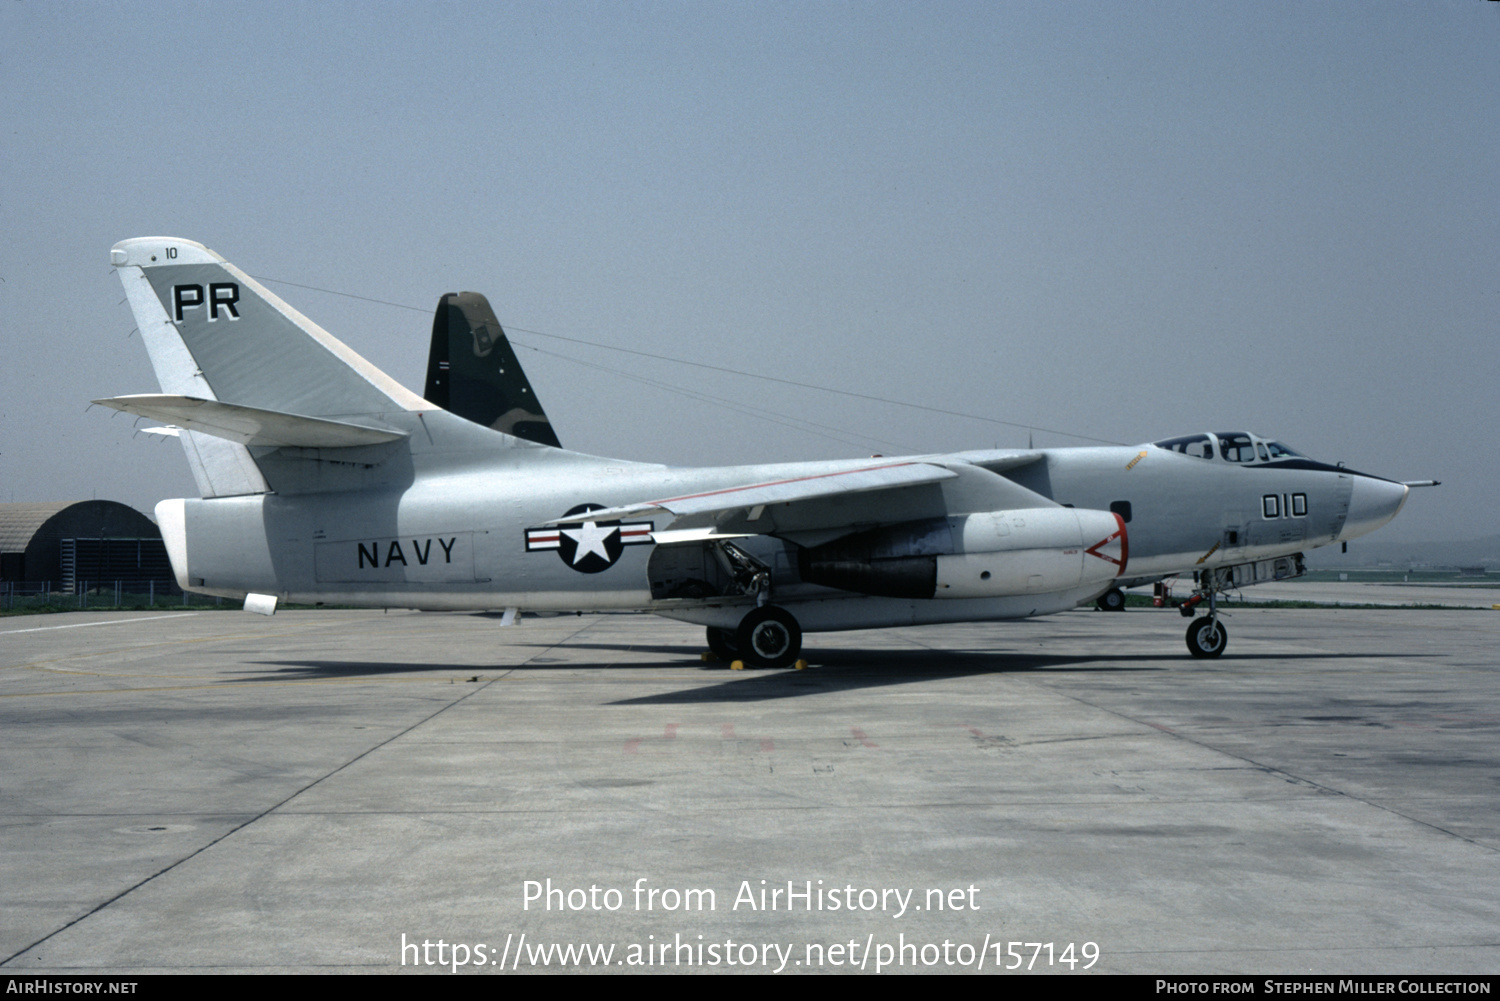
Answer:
[(1372, 503)]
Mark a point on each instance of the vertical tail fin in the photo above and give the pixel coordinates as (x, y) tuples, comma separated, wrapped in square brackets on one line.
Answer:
[(250, 347), (215, 333), (472, 371)]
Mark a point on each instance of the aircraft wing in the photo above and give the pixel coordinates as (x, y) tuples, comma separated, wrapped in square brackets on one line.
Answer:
[(750, 496), (250, 425), (998, 460), (818, 507)]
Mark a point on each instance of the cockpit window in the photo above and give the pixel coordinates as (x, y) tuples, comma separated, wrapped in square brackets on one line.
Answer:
[(1196, 445), (1236, 446), (1280, 451), (1231, 446)]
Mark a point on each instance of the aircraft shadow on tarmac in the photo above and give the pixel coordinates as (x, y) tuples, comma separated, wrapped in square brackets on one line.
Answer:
[(836, 669), (327, 670), (847, 670)]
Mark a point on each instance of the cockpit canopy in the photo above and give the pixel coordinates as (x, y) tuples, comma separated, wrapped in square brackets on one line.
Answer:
[(1229, 446)]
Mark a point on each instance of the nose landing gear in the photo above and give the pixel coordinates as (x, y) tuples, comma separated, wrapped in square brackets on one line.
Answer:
[(1206, 637)]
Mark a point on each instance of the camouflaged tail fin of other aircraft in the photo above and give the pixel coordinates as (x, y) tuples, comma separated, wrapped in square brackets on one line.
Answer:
[(472, 371)]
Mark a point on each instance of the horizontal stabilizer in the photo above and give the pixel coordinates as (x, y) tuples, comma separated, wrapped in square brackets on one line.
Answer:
[(251, 425), (803, 488)]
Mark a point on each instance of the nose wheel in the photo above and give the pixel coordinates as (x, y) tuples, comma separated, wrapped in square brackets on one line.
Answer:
[(1206, 637)]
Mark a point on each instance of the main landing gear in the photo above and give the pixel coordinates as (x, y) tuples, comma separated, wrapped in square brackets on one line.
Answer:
[(723, 643), (767, 636), (1112, 600)]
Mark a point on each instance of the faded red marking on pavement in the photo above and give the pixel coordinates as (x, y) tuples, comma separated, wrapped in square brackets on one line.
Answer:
[(973, 730), (726, 732), (859, 735), (633, 745)]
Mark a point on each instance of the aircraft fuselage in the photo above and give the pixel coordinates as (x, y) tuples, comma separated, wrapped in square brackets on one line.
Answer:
[(487, 536)]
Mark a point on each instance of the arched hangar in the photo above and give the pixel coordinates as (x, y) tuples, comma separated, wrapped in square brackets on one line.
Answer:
[(89, 541)]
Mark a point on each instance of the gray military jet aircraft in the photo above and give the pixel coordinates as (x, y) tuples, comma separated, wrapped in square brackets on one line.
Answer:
[(324, 480)]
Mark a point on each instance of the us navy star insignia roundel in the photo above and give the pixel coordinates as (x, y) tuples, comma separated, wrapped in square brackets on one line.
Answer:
[(589, 546)]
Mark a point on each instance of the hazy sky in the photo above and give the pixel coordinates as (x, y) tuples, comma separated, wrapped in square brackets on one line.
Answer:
[(1119, 221)]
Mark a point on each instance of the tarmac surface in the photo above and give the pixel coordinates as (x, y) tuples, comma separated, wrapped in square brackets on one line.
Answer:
[(1383, 593), (222, 792)]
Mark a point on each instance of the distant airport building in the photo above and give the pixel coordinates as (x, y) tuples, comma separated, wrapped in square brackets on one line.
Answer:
[(82, 542)]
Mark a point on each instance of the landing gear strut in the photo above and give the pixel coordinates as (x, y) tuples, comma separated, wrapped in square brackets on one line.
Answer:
[(768, 635)]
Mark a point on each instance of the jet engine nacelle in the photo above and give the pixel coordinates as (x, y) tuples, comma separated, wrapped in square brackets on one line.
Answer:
[(987, 555)]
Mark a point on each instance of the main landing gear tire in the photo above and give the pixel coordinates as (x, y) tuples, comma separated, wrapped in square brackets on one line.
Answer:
[(723, 644), (769, 637), (1112, 600), (1206, 638)]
